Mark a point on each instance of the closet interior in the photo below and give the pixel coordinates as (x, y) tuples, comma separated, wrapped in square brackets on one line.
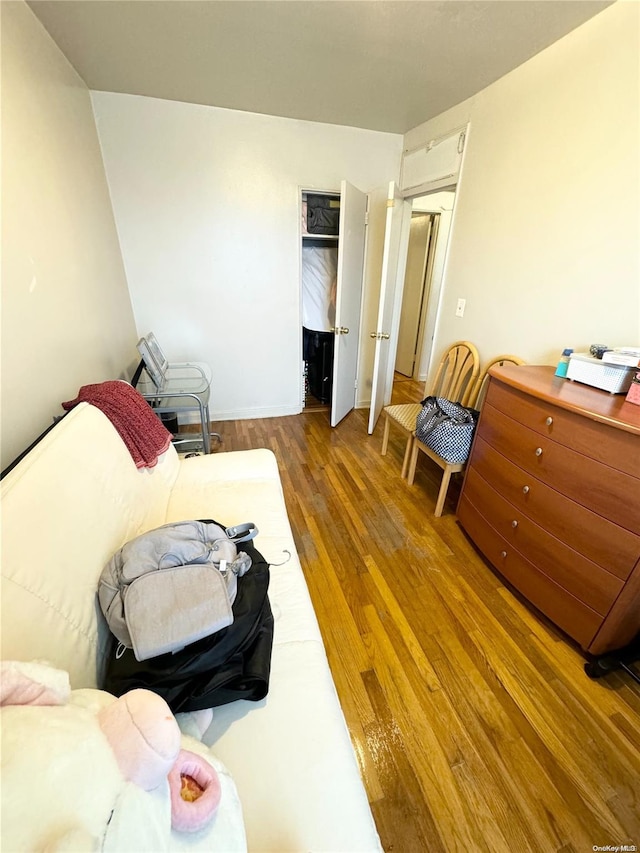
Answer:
[(320, 231)]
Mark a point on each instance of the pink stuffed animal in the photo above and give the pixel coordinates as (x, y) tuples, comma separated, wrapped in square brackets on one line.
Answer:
[(144, 737)]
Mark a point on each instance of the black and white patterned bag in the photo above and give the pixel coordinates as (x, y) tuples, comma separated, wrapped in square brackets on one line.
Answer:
[(447, 428)]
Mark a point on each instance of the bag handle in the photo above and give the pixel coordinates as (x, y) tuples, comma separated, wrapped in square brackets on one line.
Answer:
[(435, 422), (242, 532), (456, 411)]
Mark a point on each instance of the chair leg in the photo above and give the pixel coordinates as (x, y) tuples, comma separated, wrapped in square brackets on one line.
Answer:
[(407, 455), (385, 437), (205, 426), (442, 494), (414, 460)]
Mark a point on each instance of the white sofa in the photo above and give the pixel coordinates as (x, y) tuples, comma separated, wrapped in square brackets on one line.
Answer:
[(72, 501)]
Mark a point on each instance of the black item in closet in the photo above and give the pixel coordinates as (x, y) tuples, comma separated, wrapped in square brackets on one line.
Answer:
[(317, 350), (323, 214)]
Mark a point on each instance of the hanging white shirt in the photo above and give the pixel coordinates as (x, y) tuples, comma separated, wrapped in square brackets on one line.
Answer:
[(319, 280)]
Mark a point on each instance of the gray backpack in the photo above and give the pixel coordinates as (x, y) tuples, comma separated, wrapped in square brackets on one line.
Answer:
[(173, 585)]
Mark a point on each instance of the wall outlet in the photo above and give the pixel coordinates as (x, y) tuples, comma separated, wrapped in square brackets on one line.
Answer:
[(460, 307)]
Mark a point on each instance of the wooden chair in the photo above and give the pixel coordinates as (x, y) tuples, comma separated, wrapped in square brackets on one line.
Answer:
[(480, 391), (455, 379), (475, 399)]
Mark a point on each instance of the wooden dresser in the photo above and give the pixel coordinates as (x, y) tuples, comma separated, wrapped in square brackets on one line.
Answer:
[(551, 497)]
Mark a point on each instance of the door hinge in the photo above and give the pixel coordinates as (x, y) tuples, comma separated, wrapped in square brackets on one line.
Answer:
[(366, 218), (391, 202)]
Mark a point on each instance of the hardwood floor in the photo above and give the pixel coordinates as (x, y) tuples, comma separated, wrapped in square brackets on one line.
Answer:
[(474, 724)]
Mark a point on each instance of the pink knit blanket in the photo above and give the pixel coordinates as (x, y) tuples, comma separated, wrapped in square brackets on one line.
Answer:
[(138, 426)]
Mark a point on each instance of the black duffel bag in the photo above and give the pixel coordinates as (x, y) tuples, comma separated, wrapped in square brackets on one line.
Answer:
[(323, 215)]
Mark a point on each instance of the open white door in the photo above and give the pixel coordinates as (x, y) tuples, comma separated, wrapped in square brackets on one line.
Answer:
[(394, 260), (353, 208)]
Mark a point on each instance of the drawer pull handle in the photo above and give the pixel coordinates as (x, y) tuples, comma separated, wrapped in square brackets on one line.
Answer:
[(503, 554), (525, 490), (538, 451), (514, 523), (549, 421)]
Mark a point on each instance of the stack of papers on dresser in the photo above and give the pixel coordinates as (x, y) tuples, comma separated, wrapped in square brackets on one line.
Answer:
[(627, 356)]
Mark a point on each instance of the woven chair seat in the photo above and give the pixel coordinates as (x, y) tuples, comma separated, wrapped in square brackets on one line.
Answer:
[(405, 414)]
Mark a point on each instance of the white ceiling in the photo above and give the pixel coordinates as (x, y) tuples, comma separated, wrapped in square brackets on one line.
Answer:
[(385, 65)]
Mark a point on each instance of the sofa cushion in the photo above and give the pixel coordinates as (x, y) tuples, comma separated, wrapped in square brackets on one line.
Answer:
[(293, 762), (66, 507), (295, 741), (239, 486)]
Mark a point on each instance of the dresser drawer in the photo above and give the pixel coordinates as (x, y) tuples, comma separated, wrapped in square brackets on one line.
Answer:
[(613, 547), (566, 611), (605, 490), (612, 447), (582, 578)]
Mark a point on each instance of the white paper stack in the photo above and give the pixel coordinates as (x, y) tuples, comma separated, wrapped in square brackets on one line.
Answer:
[(628, 356)]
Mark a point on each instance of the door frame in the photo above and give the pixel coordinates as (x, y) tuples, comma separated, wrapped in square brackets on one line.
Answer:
[(345, 240), (414, 312), (434, 300), (303, 189), (426, 292), (431, 305)]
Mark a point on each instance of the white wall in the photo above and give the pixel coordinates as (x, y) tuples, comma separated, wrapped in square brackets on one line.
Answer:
[(544, 242), (206, 202), (66, 314)]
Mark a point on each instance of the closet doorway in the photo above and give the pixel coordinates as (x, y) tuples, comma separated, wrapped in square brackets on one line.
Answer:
[(319, 275), (332, 265)]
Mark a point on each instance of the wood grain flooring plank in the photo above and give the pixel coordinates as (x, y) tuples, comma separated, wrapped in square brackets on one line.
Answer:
[(543, 724), (429, 755), (403, 810), (523, 781), (414, 650)]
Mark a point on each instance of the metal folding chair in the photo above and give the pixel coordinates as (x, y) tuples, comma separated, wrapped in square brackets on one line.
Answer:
[(174, 387)]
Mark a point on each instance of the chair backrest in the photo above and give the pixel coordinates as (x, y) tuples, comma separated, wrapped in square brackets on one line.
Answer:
[(480, 390), (154, 359), (457, 373), (156, 352)]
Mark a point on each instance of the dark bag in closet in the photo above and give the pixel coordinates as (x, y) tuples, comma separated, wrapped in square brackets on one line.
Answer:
[(234, 663), (317, 350), (323, 215)]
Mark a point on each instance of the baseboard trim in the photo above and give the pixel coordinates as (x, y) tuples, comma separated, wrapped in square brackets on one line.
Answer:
[(241, 414)]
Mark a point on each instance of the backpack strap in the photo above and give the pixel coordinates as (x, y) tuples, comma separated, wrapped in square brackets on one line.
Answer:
[(242, 532)]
